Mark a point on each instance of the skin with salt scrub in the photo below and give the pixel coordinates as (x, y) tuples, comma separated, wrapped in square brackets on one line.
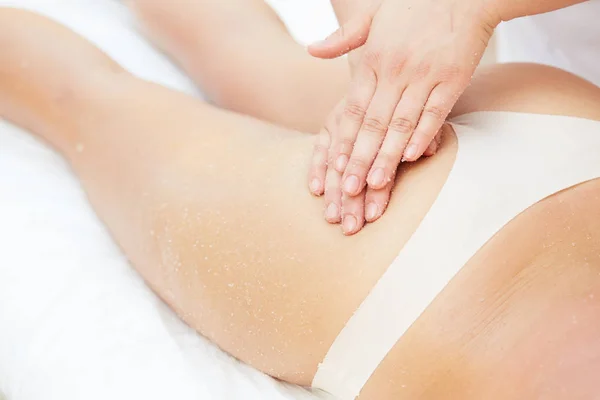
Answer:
[(205, 207)]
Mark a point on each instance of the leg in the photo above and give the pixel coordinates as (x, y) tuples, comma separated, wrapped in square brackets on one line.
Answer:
[(198, 198), (239, 52)]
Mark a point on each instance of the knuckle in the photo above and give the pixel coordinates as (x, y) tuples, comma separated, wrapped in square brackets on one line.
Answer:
[(374, 125), (345, 146), (401, 125), (380, 197), (450, 72), (389, 160), (422, 70), (397, 65), (359, 164), (355, 111), (436, 112), (350, 207), (372, 58)]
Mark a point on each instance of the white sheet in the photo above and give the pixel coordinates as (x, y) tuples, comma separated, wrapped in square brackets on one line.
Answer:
[(566, 38), (76, 322)]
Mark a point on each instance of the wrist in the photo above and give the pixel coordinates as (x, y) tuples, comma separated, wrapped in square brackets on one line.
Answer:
[(506, 10), (485, 13)]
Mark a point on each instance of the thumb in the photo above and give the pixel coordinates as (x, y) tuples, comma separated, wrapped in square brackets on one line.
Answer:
[(348, 37)]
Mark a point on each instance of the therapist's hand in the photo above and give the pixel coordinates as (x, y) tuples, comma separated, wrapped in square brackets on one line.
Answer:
[(351, 211), (417, 57)]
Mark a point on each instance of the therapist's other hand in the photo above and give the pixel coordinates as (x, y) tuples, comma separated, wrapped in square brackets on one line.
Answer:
[(338, 208), (417, 57)]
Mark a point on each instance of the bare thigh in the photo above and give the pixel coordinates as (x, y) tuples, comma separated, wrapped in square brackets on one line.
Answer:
[(243, 58)]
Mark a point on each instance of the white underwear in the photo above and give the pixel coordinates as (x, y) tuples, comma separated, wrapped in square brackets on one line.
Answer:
[(506, 162)]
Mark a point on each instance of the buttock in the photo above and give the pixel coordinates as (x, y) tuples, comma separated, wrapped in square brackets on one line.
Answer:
[(528, 299), (445, 346)]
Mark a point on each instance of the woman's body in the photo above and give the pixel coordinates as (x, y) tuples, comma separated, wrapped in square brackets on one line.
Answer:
[(206, 214)]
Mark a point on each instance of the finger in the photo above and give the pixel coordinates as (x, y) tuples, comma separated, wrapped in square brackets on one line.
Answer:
[(346, 38), (400, 129), (319, 164), (377, 200), (318, 167), (433, 146), (431, 149), (353, 113), (369, 139), (438, 106), (333, 196), (353, 213)]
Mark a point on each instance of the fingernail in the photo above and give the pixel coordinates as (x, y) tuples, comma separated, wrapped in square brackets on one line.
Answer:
[(410, 152), (349, 224), (332, 211), (351, 184), (377, 177), (315, 186), (371, 211), (340, 163)]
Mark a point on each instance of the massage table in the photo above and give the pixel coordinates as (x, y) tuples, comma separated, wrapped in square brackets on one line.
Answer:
[(76, 321)]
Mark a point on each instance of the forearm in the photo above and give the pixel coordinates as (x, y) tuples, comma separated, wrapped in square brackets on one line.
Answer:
[(511, 9), (504, 10), (47, 75)]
